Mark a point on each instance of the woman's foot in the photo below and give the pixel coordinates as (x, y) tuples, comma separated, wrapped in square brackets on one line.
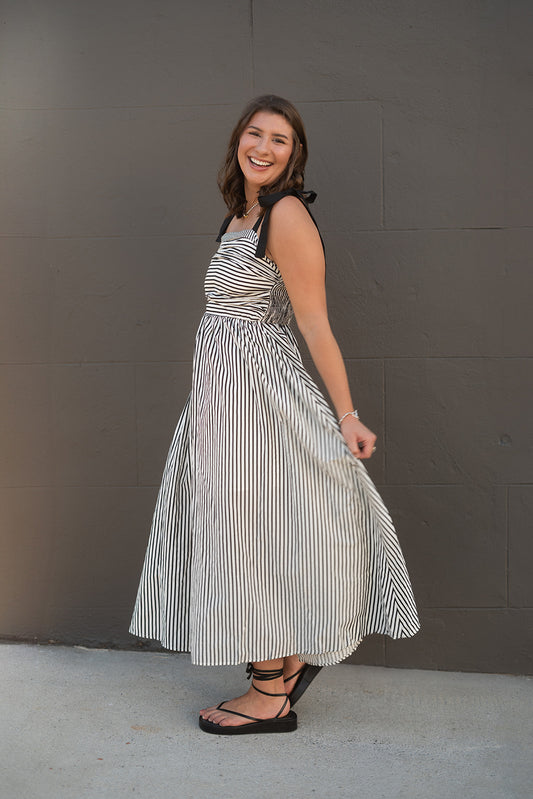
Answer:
[(265, 701), (250, 704)]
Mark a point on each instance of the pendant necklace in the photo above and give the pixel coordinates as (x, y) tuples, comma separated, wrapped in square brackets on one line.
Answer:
[(246, 214)]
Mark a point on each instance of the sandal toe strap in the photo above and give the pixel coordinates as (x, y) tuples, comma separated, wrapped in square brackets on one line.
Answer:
[(235, 713), (252, 718)]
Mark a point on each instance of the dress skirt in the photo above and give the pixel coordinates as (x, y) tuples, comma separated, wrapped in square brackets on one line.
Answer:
[(268, 537)]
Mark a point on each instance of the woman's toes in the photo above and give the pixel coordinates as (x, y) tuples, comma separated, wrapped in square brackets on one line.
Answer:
[(224, 721), (204, 712), (216, 718)]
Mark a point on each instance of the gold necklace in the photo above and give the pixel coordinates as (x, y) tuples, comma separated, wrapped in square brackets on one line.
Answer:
[(246, 214)]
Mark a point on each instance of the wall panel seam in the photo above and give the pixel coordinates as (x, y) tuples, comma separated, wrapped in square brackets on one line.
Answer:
[(382, 164), (384, 410), (209, 233), (477, 608), (507, 545), (252, 47), (136, 412)]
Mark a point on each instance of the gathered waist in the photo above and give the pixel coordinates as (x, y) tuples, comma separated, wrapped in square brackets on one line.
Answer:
[(249, 314), (266, 310)]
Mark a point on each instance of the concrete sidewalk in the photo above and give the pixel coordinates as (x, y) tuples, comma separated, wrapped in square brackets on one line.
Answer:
[(78, 724)]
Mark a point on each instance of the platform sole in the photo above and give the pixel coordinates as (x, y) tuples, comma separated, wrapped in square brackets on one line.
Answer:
[(286, 724)]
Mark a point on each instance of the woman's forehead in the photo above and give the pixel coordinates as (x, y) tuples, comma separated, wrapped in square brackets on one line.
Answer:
[(270, 121)]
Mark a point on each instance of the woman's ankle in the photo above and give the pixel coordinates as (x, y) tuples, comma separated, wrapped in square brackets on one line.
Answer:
[(268, 677)]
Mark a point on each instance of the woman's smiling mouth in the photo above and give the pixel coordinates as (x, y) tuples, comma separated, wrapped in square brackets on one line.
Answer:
[(256, 162)]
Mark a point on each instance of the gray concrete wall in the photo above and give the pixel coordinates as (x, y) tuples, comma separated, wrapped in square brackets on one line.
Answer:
[(114, 118)]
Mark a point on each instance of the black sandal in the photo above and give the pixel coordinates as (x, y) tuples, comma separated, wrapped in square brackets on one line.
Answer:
[(286, 723), (307, 675)]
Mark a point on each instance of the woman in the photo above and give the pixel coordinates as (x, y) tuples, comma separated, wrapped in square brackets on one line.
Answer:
[(269, 543)]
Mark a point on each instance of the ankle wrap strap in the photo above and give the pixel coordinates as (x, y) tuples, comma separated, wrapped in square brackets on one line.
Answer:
[(263, 675)]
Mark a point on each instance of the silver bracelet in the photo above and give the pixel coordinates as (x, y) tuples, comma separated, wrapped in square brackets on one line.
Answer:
[(350, 413)]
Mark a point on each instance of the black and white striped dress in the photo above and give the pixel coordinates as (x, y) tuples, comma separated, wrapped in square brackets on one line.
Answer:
[(268, 537)]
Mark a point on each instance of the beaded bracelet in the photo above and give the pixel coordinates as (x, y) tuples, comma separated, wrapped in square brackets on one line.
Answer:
[(349, 413)]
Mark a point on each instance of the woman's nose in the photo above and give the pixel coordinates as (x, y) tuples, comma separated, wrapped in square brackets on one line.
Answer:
[(262, 145)]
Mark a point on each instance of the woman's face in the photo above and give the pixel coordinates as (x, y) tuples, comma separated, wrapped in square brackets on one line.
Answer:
[(265, 148)]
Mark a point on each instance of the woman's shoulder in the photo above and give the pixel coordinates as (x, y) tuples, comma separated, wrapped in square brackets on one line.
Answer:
[(291, 211), (289, 201), (290, 220), (293, 227)]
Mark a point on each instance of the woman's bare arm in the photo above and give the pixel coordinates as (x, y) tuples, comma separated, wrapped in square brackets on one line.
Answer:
[(294, 244)]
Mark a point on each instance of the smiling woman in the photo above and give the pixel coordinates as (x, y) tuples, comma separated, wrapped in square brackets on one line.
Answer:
[(264, 150), (276, 126), (269, 543)]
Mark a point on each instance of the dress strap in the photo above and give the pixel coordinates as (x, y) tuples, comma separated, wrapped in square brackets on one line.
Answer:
[(225, 225), (266, 201)]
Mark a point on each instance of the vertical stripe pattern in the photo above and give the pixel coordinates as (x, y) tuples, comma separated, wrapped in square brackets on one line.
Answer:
[(269, 537)]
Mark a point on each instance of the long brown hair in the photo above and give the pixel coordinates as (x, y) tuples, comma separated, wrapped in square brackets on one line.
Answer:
[(230, 177)]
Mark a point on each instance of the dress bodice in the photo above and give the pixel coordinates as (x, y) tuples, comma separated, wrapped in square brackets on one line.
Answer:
[(241, 280), (240, 284)]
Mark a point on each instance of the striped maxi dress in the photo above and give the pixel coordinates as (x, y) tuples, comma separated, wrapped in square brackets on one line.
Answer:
[(268, 537)]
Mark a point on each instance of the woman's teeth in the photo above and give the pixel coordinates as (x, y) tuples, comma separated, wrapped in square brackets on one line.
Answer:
[(260, 163)]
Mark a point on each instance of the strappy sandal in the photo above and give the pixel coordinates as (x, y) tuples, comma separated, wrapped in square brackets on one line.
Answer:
[(286, 723), (307, 674)]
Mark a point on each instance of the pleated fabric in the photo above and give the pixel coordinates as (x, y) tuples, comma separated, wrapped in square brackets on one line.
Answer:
[(268, 537)]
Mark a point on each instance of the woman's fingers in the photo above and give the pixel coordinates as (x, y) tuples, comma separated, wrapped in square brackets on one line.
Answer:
[(366, 448), (359, 438)]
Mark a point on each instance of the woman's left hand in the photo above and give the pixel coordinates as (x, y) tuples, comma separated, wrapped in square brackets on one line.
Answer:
[(361, 441)]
